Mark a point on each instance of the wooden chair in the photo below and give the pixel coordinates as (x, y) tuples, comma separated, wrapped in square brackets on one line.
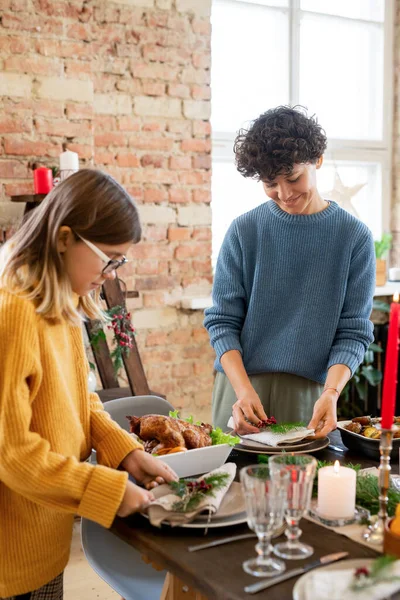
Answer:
[(138, 385)]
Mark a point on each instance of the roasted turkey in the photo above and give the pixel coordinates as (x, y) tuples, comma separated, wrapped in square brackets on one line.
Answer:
[(159, 432)]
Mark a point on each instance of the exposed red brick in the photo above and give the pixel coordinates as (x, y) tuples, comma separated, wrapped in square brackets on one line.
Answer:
[(195, 145), (38, 65), (180, 162), (63, 127), (16, 189), (155, 195), (30, 148), (84, 150), (178, 90), (179, 234), (156, 233), (127, 160), (78, 110), (179, 195), (156, 339), (153, 160), (13, 124), (153, 88), (201, 92), (202, 196), (13, 169), (202, 233)]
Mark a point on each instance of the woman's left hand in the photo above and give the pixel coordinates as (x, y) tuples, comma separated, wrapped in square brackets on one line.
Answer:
[(324, 418), (148, 470)]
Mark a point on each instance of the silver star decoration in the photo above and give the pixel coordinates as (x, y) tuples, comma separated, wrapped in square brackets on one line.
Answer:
[(343, 194)]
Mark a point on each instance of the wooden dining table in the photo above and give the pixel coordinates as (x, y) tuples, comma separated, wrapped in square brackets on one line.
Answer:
[(217, 573)]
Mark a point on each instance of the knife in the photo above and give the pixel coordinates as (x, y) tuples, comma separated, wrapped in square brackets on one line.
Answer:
[(336, 448), (226, 540), (324, 560)]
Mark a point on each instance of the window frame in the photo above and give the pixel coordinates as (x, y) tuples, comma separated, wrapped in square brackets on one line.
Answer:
[(379, 151)]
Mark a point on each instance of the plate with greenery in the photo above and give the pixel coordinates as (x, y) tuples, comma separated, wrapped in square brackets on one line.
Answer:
[(301, 447)]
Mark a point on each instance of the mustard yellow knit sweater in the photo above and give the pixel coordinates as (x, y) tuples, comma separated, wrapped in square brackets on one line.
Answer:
[(48, 425)]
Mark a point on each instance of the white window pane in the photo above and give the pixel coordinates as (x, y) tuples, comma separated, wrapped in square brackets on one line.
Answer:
[(232, 195), (373, 10), (367, 202), (343, 82), (280, 3), (250, 62)]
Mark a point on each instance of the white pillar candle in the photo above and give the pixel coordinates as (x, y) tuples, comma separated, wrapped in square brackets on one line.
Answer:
[(336, 491), (69, 161)]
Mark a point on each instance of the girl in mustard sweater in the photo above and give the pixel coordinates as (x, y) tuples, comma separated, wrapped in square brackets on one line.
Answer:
[(50, 278)]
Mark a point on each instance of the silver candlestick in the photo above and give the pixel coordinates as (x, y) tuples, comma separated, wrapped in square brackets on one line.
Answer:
[(374, 533)]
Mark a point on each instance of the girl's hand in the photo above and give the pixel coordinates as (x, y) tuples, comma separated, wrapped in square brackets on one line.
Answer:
[(324, 419), (248, 408), (134, 500), (148, 470)]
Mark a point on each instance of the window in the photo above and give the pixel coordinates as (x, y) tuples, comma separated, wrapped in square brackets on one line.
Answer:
[(335, 58)]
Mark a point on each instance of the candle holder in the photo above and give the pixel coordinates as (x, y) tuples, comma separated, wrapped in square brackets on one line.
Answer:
[(65, 173), (360, 514), (374, 533)]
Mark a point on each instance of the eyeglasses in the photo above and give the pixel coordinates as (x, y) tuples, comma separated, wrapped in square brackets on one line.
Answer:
[(112, 264)]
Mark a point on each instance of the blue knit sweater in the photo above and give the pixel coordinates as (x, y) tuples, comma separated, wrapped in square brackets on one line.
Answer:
[(293, 293)]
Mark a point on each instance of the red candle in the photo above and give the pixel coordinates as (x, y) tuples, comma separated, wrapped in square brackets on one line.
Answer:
[(391, 364), (43, 179)]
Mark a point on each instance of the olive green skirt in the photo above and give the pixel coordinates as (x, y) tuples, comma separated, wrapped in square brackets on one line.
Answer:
[(288, 398)]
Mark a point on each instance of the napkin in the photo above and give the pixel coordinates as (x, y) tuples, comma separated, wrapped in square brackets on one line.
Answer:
[(161, 509), (335, 584), (269, 438)]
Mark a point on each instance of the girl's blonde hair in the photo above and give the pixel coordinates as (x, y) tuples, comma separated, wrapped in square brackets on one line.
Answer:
[(94, 206)]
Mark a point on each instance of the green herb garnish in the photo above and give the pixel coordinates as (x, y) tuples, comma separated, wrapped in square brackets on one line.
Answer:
[(192, 491), (285, 427), (365, 577), (219, 437)]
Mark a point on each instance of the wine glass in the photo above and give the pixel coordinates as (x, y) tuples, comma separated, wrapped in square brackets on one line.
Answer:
[(301, 469), (265, 499)]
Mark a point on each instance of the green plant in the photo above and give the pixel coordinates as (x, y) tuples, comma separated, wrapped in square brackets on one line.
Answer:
[(366, 374), (383, 245), (123, 333)]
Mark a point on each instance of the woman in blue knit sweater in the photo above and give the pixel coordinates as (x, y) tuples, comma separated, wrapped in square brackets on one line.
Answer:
[(293, 287)]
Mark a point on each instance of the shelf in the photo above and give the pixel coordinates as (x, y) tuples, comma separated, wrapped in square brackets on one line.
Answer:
[(29, 198)]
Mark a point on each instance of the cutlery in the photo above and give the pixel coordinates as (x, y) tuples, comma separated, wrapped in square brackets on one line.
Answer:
[(226, 540), (335, 448), (324, 560)]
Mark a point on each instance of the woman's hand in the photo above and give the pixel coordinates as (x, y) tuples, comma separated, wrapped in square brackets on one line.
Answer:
[(135, 499), (248, 407), (148, 470), (324, 418)]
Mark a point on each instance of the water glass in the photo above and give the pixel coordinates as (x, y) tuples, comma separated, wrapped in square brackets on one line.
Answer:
[(265, 499), (301, 469)]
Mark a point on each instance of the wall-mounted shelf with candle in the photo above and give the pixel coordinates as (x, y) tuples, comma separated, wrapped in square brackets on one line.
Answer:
[(31, 200)]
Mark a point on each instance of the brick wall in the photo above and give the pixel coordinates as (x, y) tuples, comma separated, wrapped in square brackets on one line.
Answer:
[(126, 84)]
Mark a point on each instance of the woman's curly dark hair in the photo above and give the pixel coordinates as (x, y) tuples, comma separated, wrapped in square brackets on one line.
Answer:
[(278, 139)]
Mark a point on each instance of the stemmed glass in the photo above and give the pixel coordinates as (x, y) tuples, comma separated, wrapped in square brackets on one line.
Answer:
[(265, 498), (301, 469)]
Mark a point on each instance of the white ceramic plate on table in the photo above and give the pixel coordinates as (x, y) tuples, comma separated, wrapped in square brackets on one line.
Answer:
[(197, 461), (231, 512), (300, 588), (301, 447)]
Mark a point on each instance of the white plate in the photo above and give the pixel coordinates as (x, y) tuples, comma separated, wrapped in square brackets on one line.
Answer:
[(231, 512), (300, 448), (198, 460), (299, 590)]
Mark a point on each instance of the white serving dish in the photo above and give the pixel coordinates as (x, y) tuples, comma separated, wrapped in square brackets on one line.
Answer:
[(198, 460)]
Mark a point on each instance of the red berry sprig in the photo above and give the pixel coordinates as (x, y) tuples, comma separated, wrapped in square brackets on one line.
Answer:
[(265, 422)]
